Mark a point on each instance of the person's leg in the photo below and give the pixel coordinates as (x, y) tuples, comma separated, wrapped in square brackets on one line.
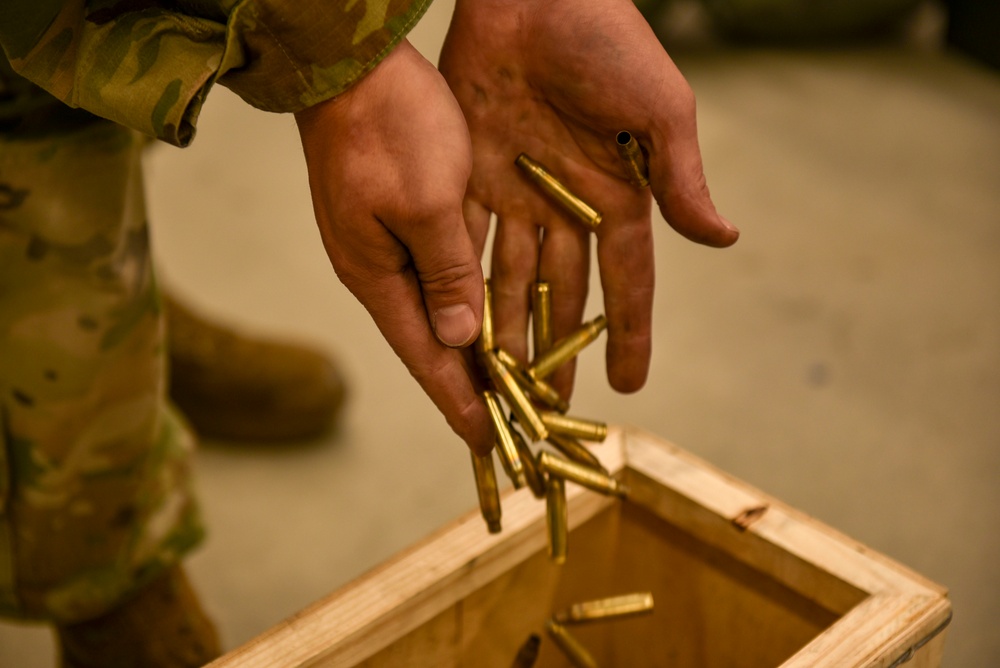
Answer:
[(234, 386), (184, 636), (96, 510)]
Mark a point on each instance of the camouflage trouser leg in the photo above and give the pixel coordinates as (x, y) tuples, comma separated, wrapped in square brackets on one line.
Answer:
[(95, 495)]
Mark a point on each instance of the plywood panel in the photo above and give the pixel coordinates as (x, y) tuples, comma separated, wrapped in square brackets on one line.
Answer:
[(739, 579)]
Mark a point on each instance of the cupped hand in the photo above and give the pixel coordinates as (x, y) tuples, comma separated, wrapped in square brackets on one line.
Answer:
[(388, 163), (558, 79)]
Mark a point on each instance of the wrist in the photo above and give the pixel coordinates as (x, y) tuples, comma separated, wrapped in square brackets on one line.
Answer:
[(354, 104)]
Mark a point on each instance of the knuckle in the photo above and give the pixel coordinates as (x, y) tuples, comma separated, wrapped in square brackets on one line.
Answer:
[(362, 274), (426, 375), (445, 280)]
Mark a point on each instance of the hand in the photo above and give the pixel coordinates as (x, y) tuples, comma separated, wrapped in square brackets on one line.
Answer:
[(558, 79), (388, 165)]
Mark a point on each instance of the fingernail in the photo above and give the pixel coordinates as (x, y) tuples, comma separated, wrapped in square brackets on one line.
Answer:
[(455, 325), (729, 226)]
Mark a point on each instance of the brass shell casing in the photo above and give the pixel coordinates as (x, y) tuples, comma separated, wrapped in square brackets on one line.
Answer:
[(541, 317), (567, 348), (534, 477), (575, 451), (580, 474), (506, 448), (557, 519), (524, 411), (631, 154), (559, 193), (614, 607), (528, 654), (577, 654), (485, 342), (588, 430), (489, 493), (538, 390)]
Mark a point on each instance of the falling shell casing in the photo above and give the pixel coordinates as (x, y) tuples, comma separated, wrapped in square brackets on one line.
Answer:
[(614, 607), (631, 154), (534, 477), (506, 448), (576, 451), (580, 474), (557, 520), (559, 193), (489, 493), (524, 411), (567, 348), (577, 654), (528, 654), (485, 341), (541, 317), (588, 430), (538, 389)]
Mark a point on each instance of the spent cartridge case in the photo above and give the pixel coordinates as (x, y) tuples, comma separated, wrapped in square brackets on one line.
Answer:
[(506, 447), (485, 341), (489, 493), (534, 477), (567, 348), (588, 430), (634, 159), (541, 317), (575, 451), (526, 414), (559, 193), (615, 607), (586, 476), (557, 520), (577, 654), (527, 655), (537, 389)]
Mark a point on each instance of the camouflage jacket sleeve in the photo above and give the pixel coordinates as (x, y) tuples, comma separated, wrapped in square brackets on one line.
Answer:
[(148, 64)]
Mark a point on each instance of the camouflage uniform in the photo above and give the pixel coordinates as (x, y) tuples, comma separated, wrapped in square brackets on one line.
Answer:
[(95, 492)]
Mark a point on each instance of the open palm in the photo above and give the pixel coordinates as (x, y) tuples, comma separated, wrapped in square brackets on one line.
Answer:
[(558, 79)]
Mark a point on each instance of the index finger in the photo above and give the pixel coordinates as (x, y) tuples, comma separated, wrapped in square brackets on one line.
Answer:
[(677, 175), (395, 302)]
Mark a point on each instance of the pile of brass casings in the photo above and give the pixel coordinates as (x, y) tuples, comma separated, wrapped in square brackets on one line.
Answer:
[(536, 407), (539, 412)]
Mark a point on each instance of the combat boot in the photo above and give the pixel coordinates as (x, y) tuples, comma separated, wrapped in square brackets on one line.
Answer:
[(162, 626), (233, 387)]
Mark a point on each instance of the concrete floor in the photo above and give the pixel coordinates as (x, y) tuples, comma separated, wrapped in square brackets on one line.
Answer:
[(843, 356)]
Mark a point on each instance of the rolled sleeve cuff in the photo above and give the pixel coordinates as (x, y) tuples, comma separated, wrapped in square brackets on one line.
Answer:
[(297, 58), (151, 69)]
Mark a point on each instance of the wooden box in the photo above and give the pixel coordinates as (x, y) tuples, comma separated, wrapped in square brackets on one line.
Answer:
[(739, 580)]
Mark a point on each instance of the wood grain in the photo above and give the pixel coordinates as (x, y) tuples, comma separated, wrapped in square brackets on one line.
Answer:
[(739, 578)]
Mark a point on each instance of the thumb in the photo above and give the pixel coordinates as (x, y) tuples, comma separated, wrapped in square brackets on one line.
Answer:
[(450, 277), (682, 195), (677, 179)]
